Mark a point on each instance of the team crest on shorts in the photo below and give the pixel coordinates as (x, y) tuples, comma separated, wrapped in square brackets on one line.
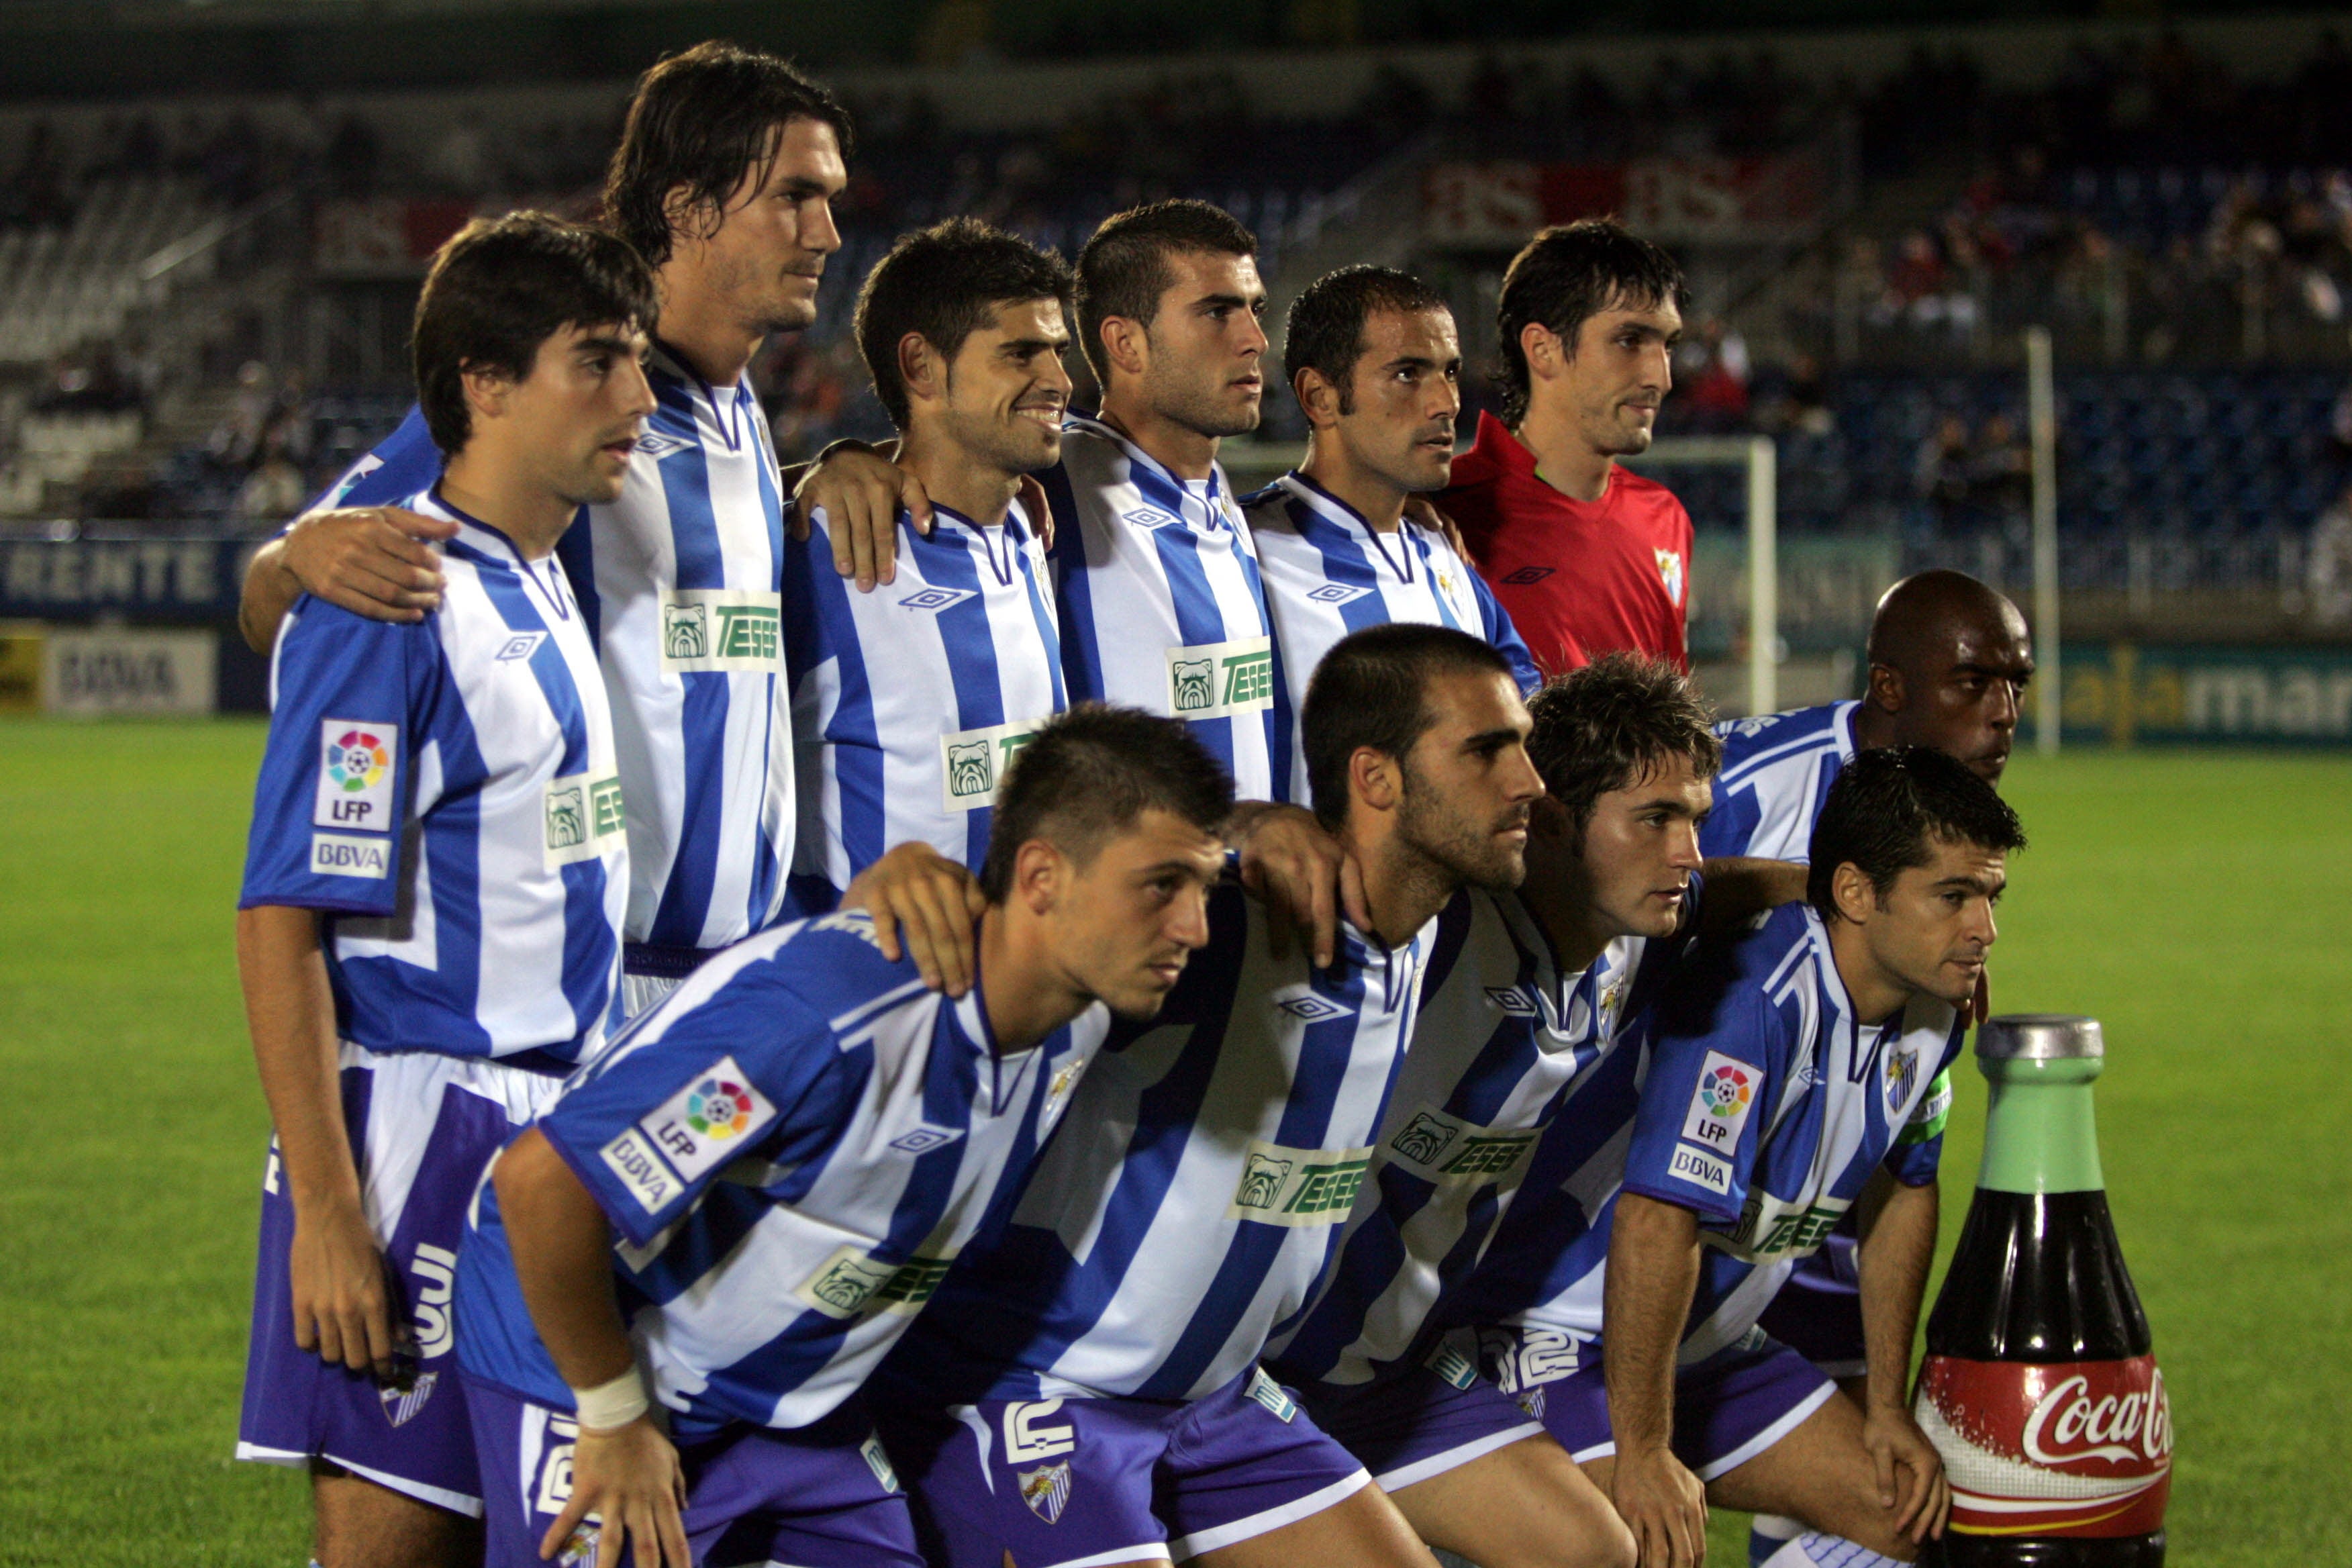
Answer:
[(1046, 1489), (401, 1404)]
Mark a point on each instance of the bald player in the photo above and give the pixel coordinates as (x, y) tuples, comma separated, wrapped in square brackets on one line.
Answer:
[(1949, 660)]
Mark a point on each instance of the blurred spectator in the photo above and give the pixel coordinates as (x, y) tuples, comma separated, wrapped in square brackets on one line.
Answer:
[(276, 488), (2327, 564), (1943, 472)]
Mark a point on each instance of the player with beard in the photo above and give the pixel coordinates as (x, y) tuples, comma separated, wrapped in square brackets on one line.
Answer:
[(1376, 365), (1949, 660), (908, 702), (1587, 557), (1098, 1359)]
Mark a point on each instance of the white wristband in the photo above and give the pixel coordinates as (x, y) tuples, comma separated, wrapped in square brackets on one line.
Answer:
[(612, 1404)]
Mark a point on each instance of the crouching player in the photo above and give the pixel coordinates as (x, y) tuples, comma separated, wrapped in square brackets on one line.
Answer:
[(429, 931), (1790, 1077), (674, 1285)]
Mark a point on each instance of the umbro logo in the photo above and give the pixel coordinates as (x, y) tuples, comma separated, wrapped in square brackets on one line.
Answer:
[(656, 445), (1148, 517), (1311, 1008), (522, 644), (1511, 999), (1337, 594), (1527, 575), (935, 599), (923, 1140)]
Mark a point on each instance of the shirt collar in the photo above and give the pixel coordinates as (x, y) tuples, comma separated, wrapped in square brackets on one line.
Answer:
[(1155, 475)]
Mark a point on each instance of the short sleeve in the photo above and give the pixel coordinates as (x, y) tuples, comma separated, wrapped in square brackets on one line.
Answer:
[(1918, 1149), (1701, 1110), (1731, 828), (352, 700), (735, 1075), (402, 465)]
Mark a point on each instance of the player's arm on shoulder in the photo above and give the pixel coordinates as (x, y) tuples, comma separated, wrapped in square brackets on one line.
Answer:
[(374, 561), (1896, 1223), (1741, 886), (623, 1469), (916, 893), (1303, 872), (341, 1303), (861, 488), (1653, 1269)]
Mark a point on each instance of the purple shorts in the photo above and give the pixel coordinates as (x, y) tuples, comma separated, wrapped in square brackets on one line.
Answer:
[(1728, 1409), (820, 1497), (1065, 1483), (1419, 1421), (422, 1127), (1818, 1313)]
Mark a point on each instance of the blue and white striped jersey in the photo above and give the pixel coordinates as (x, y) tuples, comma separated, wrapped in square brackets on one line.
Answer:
[(681, 579), (1503, 1040), (1207, 1164), (1329, 573), (1764, 1105), (909, 702), (793, 1148), (448, 793), (1777, 772), (1162, 608)]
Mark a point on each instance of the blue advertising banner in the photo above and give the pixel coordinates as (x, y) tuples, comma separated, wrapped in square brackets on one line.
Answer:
[(140, 579)]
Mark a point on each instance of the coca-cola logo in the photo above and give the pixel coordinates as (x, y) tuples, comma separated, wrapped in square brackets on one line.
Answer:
[(2072, 1423)]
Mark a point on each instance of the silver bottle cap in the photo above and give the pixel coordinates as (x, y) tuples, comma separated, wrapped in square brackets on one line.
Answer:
[(2039, 1037)]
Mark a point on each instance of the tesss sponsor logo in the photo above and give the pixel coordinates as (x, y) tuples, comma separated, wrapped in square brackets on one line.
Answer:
[(581, 813), (1215, 681), (1446, 1148), (738, 630), (1297, 1186), (973, 762)]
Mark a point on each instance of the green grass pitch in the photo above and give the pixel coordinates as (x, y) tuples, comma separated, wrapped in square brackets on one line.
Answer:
[(2196, 904)]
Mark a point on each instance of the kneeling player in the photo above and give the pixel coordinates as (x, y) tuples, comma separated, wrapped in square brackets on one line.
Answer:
[(1790, 1076), (742, 1204), (430, 929), (1100, 1361)]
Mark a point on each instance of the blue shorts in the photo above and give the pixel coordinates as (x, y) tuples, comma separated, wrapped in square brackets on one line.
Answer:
[(819, 1496), (1818, 1311), (1728, 1409), (1064, 1483), (1420, 1420), (422, 1126)]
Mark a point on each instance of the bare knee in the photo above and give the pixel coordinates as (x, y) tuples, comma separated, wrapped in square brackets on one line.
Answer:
[(364, 1525)]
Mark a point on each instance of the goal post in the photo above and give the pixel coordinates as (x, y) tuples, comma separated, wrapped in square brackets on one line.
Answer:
[(1758, 456)]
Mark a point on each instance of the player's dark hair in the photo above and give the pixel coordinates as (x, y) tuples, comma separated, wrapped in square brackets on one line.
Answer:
[(1568, 274), (1373, 689), (1124, 270), (1887, 806), (1613, 723), (943, 283), (500, 288), (701, 120), (1325, 330), (1088, 774)]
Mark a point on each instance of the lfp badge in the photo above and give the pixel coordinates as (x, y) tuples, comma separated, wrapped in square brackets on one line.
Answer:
[(355, 774), (717, 1109)]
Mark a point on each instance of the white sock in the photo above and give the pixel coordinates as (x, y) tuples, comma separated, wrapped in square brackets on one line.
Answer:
[(1767, 1533), (1814, 1550)]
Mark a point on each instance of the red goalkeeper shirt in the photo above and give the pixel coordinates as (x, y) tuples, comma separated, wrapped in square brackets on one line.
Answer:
[(1580, 578)]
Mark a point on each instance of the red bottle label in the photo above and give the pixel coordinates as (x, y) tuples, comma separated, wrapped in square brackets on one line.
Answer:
[(2080, 1448)]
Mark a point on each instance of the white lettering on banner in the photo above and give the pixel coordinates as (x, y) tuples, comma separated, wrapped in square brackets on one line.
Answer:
[(108, 671)]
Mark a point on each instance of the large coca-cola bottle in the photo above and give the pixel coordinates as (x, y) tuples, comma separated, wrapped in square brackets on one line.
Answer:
[(2039, 1388)]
